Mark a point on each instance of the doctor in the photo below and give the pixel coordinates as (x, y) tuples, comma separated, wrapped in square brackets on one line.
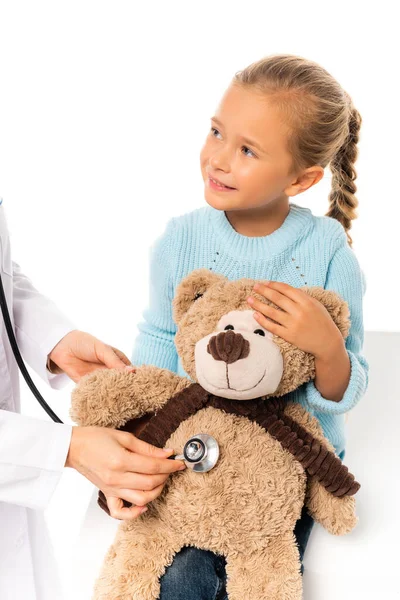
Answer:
[(33, 452)]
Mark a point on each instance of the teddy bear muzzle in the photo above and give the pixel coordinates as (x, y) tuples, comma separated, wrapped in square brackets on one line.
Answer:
[(228, 346), (235, 364)]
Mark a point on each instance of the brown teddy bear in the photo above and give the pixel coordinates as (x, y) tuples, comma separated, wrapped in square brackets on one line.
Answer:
[(273, 454)]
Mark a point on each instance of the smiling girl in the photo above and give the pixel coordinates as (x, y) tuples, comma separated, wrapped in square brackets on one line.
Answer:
[(282, 120)]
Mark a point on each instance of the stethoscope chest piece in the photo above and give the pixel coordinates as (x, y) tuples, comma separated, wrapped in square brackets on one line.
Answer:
[(201, 453)]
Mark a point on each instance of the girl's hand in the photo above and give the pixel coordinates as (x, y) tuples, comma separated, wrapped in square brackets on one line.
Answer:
[(302, 320), (79, 353)]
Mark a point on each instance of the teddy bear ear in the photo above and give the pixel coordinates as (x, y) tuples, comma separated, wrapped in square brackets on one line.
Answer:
[(335, 305), (191, 288)]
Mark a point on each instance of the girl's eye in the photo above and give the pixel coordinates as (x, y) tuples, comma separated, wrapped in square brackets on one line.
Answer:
[(229, 327), (248, 149), (260, 332), (212, 131), (215, 133)]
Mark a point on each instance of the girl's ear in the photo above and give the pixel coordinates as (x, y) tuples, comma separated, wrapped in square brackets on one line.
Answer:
[(335, 305), (305, 180), (192, 287)]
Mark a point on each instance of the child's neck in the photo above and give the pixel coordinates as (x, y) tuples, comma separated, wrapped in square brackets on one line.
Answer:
[(258, 222)]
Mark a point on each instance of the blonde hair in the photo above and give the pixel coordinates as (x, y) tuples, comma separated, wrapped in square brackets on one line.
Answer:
[(324, 124)]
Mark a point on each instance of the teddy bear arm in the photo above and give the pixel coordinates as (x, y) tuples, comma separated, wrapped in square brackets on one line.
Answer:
[(337, 515), (110, 398)]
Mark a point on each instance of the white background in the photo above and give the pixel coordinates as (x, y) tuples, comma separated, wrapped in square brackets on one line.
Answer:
[(103, 110)]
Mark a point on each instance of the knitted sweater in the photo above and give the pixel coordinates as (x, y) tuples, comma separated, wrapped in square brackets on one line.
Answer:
[(305, 250)]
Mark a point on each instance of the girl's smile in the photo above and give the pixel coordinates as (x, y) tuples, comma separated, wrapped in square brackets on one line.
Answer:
[(218, 186)]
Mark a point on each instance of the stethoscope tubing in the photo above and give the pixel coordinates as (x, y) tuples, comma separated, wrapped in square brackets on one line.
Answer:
[(18, 357)]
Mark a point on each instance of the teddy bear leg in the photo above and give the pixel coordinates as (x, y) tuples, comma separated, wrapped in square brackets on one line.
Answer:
[(269, 573), (136, 561)]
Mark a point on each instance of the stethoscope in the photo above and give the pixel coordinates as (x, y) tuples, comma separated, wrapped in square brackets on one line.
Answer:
[(200, 453)]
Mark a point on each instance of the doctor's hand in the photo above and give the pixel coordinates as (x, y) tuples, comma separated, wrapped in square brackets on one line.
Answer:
[(118, 511), (121, 466), (79, 353)]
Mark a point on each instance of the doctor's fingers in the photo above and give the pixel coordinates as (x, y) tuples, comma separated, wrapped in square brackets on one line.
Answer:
[(121, 512), (139, 497), (150, 465), (136, 481), (122, 356), (134, 444), (110, 357), (82, 368)]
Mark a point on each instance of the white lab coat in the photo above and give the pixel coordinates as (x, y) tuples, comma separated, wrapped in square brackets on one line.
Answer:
[(32, 451)]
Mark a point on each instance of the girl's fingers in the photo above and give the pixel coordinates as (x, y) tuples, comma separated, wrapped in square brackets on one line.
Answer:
[(280, 316), (274, 328), (295, 294), (277, 297)]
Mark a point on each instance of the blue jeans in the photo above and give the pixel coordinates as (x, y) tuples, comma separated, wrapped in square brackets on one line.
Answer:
[(200, 575)]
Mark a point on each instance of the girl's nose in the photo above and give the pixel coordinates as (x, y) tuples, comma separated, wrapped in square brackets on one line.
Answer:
[(220, 161)]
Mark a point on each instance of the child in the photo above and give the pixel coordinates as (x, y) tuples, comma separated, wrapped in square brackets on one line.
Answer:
[(279, 124)]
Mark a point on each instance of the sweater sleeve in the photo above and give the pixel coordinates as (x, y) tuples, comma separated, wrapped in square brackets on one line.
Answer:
[(155, 343), (347, 279)]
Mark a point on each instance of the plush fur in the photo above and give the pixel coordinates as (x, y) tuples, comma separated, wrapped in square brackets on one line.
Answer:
[(247, 506)]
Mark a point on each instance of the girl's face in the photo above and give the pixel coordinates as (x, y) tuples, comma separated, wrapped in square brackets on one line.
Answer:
[(246, 150)]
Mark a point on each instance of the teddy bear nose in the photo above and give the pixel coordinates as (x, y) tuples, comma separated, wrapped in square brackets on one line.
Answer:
[(228, 346)]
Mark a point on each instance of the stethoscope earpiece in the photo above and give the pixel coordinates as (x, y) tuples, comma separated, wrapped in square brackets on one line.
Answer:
[(200, 453)]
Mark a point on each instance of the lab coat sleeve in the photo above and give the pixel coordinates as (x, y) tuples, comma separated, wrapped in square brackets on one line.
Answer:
[(32, 458), (33, 451), (39, 326)]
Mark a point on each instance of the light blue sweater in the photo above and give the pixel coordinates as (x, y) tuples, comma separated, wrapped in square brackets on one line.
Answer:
[(305, 250)]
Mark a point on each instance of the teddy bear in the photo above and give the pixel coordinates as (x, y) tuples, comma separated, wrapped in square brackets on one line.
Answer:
[(273, 455)]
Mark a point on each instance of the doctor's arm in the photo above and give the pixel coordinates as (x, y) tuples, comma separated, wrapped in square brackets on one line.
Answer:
[(34, 452)]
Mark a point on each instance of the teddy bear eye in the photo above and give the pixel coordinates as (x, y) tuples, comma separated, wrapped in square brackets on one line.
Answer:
[(229, 327), (260, 332), (197, 296)]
